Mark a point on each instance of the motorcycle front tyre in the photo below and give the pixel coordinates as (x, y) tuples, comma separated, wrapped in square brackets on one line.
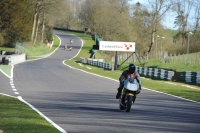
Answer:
[(129, 100)]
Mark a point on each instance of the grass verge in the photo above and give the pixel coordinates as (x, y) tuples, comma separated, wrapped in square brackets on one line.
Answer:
[(17, 117)]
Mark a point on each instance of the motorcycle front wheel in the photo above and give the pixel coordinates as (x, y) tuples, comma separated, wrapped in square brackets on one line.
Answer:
[(129, 100)]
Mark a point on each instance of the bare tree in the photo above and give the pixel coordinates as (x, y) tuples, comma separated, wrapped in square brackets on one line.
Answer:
[(44, 12), (197, 16), (141, 26), (158, 11), (35, 16), (183, 10)]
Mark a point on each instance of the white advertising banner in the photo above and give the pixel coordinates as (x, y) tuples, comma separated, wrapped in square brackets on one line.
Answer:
[(117, 46)]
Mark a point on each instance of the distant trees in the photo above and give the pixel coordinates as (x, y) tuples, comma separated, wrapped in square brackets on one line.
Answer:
[(44, 12), (15, 22), (27, 20), (115, 20), (107, 18), (187, 21)]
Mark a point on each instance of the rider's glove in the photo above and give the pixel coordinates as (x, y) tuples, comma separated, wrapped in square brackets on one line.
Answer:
[(138, 92)]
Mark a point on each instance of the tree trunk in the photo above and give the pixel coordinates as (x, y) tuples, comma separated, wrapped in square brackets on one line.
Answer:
[(36, 33), (43, 26), (35, 20)]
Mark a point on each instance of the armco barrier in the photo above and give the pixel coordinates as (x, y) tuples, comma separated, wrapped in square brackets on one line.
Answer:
[(96, 62), (14, 58)]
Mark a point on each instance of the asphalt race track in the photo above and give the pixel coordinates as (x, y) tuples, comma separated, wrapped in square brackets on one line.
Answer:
[(80, 102)]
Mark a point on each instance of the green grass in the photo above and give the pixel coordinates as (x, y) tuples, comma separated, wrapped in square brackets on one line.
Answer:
[(40, 49), (173, 33), (33, 52), (179, 89), (7, 49), (179, 67), (85, 52), (17, 117), (6, 69)]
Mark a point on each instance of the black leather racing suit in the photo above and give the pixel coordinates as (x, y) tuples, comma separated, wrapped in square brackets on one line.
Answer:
[(124, 75)]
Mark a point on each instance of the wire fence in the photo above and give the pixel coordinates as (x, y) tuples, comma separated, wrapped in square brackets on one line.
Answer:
[(20, 48), (192, 58)]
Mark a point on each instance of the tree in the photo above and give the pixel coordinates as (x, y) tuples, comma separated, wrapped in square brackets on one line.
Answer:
[(141, 24), (107, 18), (15, 21), (45, 10), (183, 9), (158, 11)]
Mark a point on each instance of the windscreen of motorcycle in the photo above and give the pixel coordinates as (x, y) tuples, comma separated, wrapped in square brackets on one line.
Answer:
[(131, 84)]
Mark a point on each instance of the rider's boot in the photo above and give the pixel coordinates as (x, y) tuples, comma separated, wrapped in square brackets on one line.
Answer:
[(118, 95), (119, 92)]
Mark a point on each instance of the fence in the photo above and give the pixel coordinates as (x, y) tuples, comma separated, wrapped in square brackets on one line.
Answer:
[(192, 59), (20, 48)]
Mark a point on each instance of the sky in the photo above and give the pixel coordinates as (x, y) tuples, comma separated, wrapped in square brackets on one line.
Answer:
[(168, 21)]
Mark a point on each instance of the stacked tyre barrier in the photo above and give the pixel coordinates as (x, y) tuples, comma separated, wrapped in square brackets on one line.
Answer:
[(188, 77), (155, 73), (96, 62)]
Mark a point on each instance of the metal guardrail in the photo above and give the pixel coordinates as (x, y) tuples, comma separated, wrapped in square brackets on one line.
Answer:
[(96, 62)]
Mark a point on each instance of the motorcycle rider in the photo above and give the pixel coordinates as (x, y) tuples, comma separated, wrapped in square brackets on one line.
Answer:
[(130, 72), (65, 46)]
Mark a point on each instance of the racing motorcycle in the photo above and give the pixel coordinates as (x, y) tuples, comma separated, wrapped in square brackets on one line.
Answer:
[(129, 94), (71, 41)]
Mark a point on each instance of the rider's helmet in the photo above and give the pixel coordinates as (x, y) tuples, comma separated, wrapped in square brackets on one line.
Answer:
[(131, 68)]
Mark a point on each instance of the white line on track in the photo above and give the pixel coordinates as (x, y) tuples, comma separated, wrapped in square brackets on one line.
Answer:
[(80, 64), (142, 88), (89, 68), (20, 98), (171, 83), (12, 86), (50, 121)]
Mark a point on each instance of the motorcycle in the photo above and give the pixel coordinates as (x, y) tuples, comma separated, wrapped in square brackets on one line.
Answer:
[(70, 48), (65, 47), (128, 95), (71, 41)]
